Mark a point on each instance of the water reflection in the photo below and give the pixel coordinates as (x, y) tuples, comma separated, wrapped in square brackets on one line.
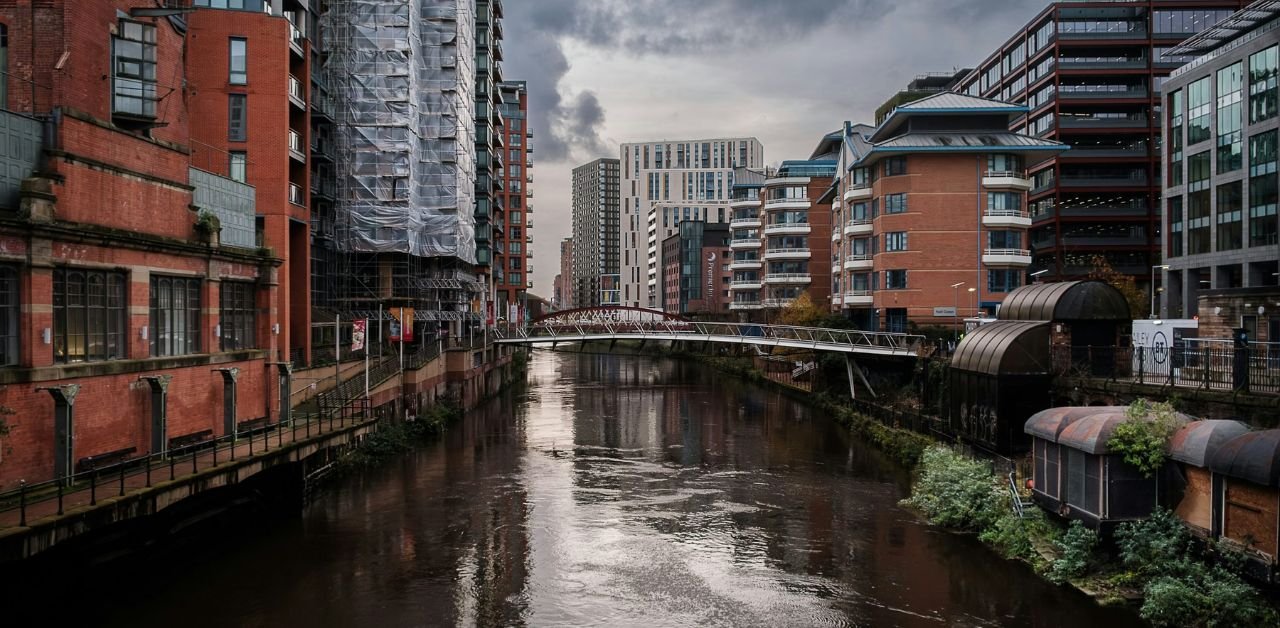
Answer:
[(621, 491)]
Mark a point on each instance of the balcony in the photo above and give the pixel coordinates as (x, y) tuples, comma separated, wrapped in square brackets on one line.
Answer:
[(295, 39), (857, 192), (1015, 218), (745, 223), (745, 264), (786, 203), (1006, 257), (835, 235), (1006, 180), (777, 303), (788, 278), (836, 299), (1103, 94), (296, 97), (744, 243), (788, 228), (744, 202), (858, 298), (858, 262), (861, 226), (746, 284), (746, 305), (783, 254), (295, 147), (296, 196)]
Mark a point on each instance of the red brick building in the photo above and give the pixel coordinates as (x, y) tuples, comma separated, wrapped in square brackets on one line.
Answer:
[(934, 205), (248, 84), (512, 218), (114, 280), (695, 273)]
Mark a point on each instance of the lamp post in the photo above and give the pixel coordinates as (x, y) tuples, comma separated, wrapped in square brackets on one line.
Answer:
[(956, 311), (1153, 286), (974, 292), (1035, 277)]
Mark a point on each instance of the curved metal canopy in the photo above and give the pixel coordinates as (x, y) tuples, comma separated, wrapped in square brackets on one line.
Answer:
[(1005, 347), (1197, 441), (1065, 301), (1254, 456)]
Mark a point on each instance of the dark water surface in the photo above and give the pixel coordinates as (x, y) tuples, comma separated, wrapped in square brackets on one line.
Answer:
[(615, 491)]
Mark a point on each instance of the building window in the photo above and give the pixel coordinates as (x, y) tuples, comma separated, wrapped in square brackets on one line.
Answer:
[(237, 315), (1174, 206), (1175, 138), (1198, 222), (516, 278), (1230, 117), (1003, 280), (1263, 190), (8, 316), (1002, 162), (239, 61), (895, 241), (175, 316), (1263, 68), (895, 280), (237, 117), (894, 166), (238, 166), (1004, 239), (895, 203), (1229, 216), (88, 315), (1004, 201), (133, 53), (1199, 104)]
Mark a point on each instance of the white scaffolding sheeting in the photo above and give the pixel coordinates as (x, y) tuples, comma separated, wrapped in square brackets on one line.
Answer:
[(402, 76)]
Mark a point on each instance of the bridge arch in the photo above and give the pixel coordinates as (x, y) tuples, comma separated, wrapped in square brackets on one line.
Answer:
[(607, 314)]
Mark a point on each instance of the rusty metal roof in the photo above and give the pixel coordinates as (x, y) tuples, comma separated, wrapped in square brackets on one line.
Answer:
[(1047, 424), (1091, 433), (1254, 456), (1197, 441), (1065, 301), (1005, 347)]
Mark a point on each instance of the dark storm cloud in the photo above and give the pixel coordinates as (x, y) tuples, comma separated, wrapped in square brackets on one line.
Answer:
[(568, 126)]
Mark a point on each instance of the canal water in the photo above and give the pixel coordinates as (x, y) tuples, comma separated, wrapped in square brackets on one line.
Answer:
[(612, 491)]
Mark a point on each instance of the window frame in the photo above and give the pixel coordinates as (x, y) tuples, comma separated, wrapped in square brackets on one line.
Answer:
[(237, 315), (166, 338), (238, 76), (112, 320), (243, 129)]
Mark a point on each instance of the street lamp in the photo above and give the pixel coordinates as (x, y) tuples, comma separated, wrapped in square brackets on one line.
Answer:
[(1153, 286), (955, 312), (1035, 276), (974, 292)]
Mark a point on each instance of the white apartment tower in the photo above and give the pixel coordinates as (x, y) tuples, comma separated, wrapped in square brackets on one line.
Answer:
[(664, 183)]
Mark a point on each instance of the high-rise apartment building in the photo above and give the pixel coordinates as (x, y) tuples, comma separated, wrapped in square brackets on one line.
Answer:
[(1090, 75), (782, 229), (595, 234), (664, 183), (1221, 191), (402, 78), (512, 229), (564, 297), (932, 212), (489, 137)]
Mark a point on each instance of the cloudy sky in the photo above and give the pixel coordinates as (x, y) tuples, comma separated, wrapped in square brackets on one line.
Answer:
[(604, 72)]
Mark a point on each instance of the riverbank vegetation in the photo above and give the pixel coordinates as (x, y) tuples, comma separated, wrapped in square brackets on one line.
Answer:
[(393, 438), (1180, 580)]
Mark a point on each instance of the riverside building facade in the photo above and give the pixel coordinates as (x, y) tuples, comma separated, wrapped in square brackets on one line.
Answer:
[(932, 214), (664, 183), (1221, 191), (1090, 75)]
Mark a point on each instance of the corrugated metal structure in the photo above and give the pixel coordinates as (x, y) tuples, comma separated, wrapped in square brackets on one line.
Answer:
[(1078, 476), (1000, 373)]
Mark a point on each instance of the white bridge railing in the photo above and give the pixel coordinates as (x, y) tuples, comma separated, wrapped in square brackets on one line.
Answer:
[(818, 338)]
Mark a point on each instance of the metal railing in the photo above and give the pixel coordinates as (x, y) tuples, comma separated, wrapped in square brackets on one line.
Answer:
[(1204, 364), (1006, 213), (1005, 174), (819, 338)]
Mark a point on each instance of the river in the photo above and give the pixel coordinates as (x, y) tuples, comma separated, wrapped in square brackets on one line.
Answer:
[(613, 491)]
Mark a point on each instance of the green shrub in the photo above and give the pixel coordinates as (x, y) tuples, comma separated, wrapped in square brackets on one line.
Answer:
[(1192, 594), (1076, 546), (1152, 546), (956, 491), (1144, 435), (1012, 536)]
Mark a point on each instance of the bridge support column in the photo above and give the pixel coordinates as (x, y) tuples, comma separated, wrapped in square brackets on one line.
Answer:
[(159, 411), (851, 366), (229, 377), (64, 400)]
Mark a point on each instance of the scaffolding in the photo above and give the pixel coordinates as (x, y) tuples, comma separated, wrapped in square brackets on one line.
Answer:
[(401, 78)]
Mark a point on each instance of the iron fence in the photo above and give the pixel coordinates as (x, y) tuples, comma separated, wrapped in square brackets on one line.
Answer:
[(1253, 368)]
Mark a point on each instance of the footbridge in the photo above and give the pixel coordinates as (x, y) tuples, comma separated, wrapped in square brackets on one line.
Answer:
[(632, 323)]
